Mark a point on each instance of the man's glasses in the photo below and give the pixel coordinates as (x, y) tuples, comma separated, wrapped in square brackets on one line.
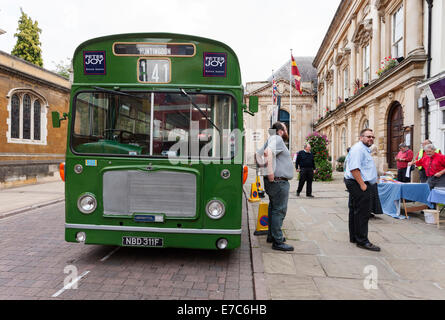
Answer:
[(370, 137)]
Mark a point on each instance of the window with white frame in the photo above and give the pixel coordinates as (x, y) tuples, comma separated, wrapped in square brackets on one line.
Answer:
[(397, 33), (27, 118), (366, 64), (346, 83)]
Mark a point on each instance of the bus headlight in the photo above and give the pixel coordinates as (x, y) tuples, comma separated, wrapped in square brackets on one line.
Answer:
[(87, 203), (215, 209), (81, 237), (222, 243)]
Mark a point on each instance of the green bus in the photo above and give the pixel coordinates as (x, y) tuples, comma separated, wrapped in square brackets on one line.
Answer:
[(155, 143)]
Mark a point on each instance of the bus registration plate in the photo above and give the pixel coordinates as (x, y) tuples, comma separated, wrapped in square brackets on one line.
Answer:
[(142, 242)]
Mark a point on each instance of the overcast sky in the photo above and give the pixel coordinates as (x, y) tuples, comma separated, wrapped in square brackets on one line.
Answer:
[(260, 32)]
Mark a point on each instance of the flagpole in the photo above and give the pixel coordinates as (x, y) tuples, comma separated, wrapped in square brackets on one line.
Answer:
[(290, 106)]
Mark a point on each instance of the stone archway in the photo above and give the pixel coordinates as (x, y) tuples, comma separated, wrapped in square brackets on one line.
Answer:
[(395, 132)]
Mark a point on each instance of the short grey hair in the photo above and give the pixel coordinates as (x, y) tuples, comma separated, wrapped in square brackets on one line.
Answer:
[(306, 144), (429, 147), (402, 145)]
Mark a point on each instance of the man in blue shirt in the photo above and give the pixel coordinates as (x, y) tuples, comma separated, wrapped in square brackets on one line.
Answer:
[(360, 175)]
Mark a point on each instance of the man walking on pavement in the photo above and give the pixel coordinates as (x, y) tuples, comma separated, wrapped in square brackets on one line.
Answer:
[(305, 160), (276, 183), (360, 175)]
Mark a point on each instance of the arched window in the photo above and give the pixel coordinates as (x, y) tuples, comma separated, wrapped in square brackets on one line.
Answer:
[(15, 117), (37, 117), (27, 118)]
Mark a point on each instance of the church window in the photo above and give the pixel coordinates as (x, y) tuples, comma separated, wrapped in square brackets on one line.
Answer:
[(27, 118)]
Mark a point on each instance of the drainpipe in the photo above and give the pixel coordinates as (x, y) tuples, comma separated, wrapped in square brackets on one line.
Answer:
[(428, 72)]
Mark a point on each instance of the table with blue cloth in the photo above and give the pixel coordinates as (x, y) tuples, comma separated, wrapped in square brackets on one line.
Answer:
[(390, 195), (437, 195)]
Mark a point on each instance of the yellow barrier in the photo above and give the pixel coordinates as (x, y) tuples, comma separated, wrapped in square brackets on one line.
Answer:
[(254, 197), (262, 225), (258, 185)]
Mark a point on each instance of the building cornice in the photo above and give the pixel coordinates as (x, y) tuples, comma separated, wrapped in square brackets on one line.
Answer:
[(24, 69), (406, 66), (34, 79), (338, 18)]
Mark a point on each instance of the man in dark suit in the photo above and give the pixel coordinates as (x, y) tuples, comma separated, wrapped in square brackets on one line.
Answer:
[(305, 165)]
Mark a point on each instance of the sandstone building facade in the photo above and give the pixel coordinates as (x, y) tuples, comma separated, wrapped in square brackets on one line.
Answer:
[(369, 66), (30, 148), (298, 117)]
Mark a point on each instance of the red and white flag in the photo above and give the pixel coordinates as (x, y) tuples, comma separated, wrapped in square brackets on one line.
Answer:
[(296, 73)]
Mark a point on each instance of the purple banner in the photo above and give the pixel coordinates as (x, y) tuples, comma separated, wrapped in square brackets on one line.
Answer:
[(438, 88)]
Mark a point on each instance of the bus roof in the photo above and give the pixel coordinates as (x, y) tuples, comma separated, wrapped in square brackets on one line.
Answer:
[(154, 59)]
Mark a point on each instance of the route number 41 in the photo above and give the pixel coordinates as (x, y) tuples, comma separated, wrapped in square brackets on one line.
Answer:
[(154, 71)]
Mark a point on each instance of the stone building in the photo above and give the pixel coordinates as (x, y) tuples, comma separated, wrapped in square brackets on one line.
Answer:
[(369, 65), (298, 118), (432, 88), (30, 149)]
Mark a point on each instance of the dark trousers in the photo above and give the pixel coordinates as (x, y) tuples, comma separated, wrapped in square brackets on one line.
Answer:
[(434, 182), (359, 211), (401, 175), (306, 175), (423, 177), (278, 192)]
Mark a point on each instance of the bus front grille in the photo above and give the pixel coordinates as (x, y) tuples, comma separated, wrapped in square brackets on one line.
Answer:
[(165, 192)]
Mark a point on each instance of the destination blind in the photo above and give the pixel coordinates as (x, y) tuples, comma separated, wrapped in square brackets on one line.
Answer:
[(155, 50)]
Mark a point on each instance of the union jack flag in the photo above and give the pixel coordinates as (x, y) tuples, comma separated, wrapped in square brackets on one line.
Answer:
[(274, 91)]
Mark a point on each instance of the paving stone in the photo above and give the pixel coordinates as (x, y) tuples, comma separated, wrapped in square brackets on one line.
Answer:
[(335, 248), (278, 263), (354, 267), (290, 287), (307, 266), (347, 289), (418, 269), (412, 290)]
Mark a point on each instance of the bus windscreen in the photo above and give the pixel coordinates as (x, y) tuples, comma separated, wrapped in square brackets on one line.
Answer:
[(153, 124)]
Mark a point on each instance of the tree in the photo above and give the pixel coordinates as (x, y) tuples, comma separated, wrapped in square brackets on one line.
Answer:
[(63, 68), (319, 149), (28, 40)]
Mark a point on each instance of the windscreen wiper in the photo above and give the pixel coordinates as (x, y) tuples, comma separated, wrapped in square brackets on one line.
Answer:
[(199, 109), (117, 92)]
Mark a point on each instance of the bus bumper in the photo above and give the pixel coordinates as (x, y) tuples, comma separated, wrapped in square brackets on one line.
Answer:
[(153, 237)]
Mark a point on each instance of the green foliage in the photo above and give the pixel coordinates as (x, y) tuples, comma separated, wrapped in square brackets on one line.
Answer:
[(341, 161), (28, 41), (319, 149), (63, 68)]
